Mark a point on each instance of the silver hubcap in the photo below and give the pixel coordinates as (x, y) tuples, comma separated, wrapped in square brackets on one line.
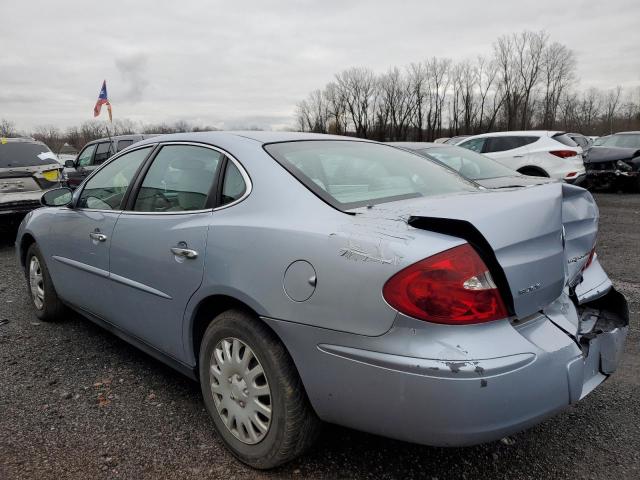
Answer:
[(36, 282), (240, 390)]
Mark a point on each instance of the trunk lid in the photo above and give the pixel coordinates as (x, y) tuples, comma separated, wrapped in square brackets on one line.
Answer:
[(537, 239)]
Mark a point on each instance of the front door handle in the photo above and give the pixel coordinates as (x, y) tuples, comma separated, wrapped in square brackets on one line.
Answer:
[(101, 237), (184, 252)]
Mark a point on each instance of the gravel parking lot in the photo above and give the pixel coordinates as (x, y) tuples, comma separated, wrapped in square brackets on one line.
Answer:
[(77, 402)]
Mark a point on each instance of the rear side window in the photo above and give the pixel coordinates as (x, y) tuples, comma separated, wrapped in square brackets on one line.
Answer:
[(475, 145), (351, 174), (233, 186), (502, 144), (564, 139), (103, 152), (122, 144), (179, 179), (25, 154)]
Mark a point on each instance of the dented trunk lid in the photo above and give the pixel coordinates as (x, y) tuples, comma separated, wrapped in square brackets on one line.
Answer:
[(536, 240)]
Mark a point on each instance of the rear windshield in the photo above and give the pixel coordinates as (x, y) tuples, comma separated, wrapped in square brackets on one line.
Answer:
[(468, 163), (564, 139), (25, 154), (626, 140), (351, 174)]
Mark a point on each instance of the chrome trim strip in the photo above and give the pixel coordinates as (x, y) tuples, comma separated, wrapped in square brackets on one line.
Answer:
[(82, 266), (112, 276), (139, 286)]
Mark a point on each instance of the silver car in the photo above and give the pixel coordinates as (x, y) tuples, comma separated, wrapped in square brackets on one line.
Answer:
[(305, 278)]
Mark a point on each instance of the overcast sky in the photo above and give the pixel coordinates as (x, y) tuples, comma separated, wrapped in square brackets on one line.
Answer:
[(246, 63)]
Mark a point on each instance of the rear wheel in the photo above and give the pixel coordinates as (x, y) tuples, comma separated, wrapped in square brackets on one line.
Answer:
[(533, 172), (253, 392), (43, 295)]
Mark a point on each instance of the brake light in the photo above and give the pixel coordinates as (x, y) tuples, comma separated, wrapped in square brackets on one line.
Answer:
[(592, 254), (564, 153), (452, 287)]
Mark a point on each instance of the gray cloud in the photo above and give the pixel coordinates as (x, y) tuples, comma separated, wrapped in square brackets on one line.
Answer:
[(133, 71), (247, 63)]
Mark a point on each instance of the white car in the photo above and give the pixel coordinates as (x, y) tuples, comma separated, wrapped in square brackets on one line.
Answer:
[(532, 152)]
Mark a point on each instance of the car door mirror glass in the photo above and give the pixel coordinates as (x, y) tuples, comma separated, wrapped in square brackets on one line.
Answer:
[(57, 198), (69, 164)]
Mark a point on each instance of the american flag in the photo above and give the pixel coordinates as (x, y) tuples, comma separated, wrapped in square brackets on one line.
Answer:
[(103, 99)]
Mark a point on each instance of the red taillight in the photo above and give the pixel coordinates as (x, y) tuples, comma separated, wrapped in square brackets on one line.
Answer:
[(453, 287), (564, 153), (590, 259)]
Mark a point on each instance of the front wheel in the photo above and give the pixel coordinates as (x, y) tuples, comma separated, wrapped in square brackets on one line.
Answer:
[(253, 392), (43, 295)]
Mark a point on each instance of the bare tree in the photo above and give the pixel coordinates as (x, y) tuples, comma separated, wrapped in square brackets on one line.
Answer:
[(611, 103), (7, 128), (558, 66), (359, 87), (51, 136)]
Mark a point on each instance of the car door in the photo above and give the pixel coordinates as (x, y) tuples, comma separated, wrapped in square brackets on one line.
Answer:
[(159, 243), (81, 236)]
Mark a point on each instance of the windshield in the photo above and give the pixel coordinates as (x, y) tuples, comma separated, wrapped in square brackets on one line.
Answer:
[(25, 154), (626, 140), (468, 163), (350, 174)]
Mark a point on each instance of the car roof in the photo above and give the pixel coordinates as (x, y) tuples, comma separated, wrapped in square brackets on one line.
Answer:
[(22, 140), (418, 145), (260, 137), (518, 133), (634, 132), (131, 136)]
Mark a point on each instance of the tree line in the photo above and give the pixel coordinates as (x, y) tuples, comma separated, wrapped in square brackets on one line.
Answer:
[(77, 136), (527, 82)]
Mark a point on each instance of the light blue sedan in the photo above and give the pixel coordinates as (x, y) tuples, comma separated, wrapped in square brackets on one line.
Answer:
[(304, 278)]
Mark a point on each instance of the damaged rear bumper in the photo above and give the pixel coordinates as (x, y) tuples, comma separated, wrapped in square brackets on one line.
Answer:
[(438, 385)]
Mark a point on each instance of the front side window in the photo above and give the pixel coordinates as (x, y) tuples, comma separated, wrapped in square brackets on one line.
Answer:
[(475, 144), (179, 179), (103, 152), (105, 190), (86, 155), (351, 174)]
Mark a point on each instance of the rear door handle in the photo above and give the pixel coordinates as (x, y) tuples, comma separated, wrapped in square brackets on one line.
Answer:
[(101, 237), (184, 252)]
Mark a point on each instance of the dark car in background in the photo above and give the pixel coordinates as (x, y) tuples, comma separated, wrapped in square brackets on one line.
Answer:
[(614, 162), (27, 169), (613, 168), (581, 140), (95, 153), (471, 165)]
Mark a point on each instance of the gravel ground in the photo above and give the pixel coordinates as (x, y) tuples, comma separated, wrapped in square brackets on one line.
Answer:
[(77, 402)]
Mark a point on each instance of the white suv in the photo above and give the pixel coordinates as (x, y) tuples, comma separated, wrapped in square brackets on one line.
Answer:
[(532, 152)]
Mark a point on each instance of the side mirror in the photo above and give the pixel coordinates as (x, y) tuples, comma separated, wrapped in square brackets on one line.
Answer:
[(69, 164), (58, 197)]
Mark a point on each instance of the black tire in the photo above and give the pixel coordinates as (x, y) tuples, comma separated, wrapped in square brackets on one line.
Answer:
[(52, 308), (294, 425), (533, 172)]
